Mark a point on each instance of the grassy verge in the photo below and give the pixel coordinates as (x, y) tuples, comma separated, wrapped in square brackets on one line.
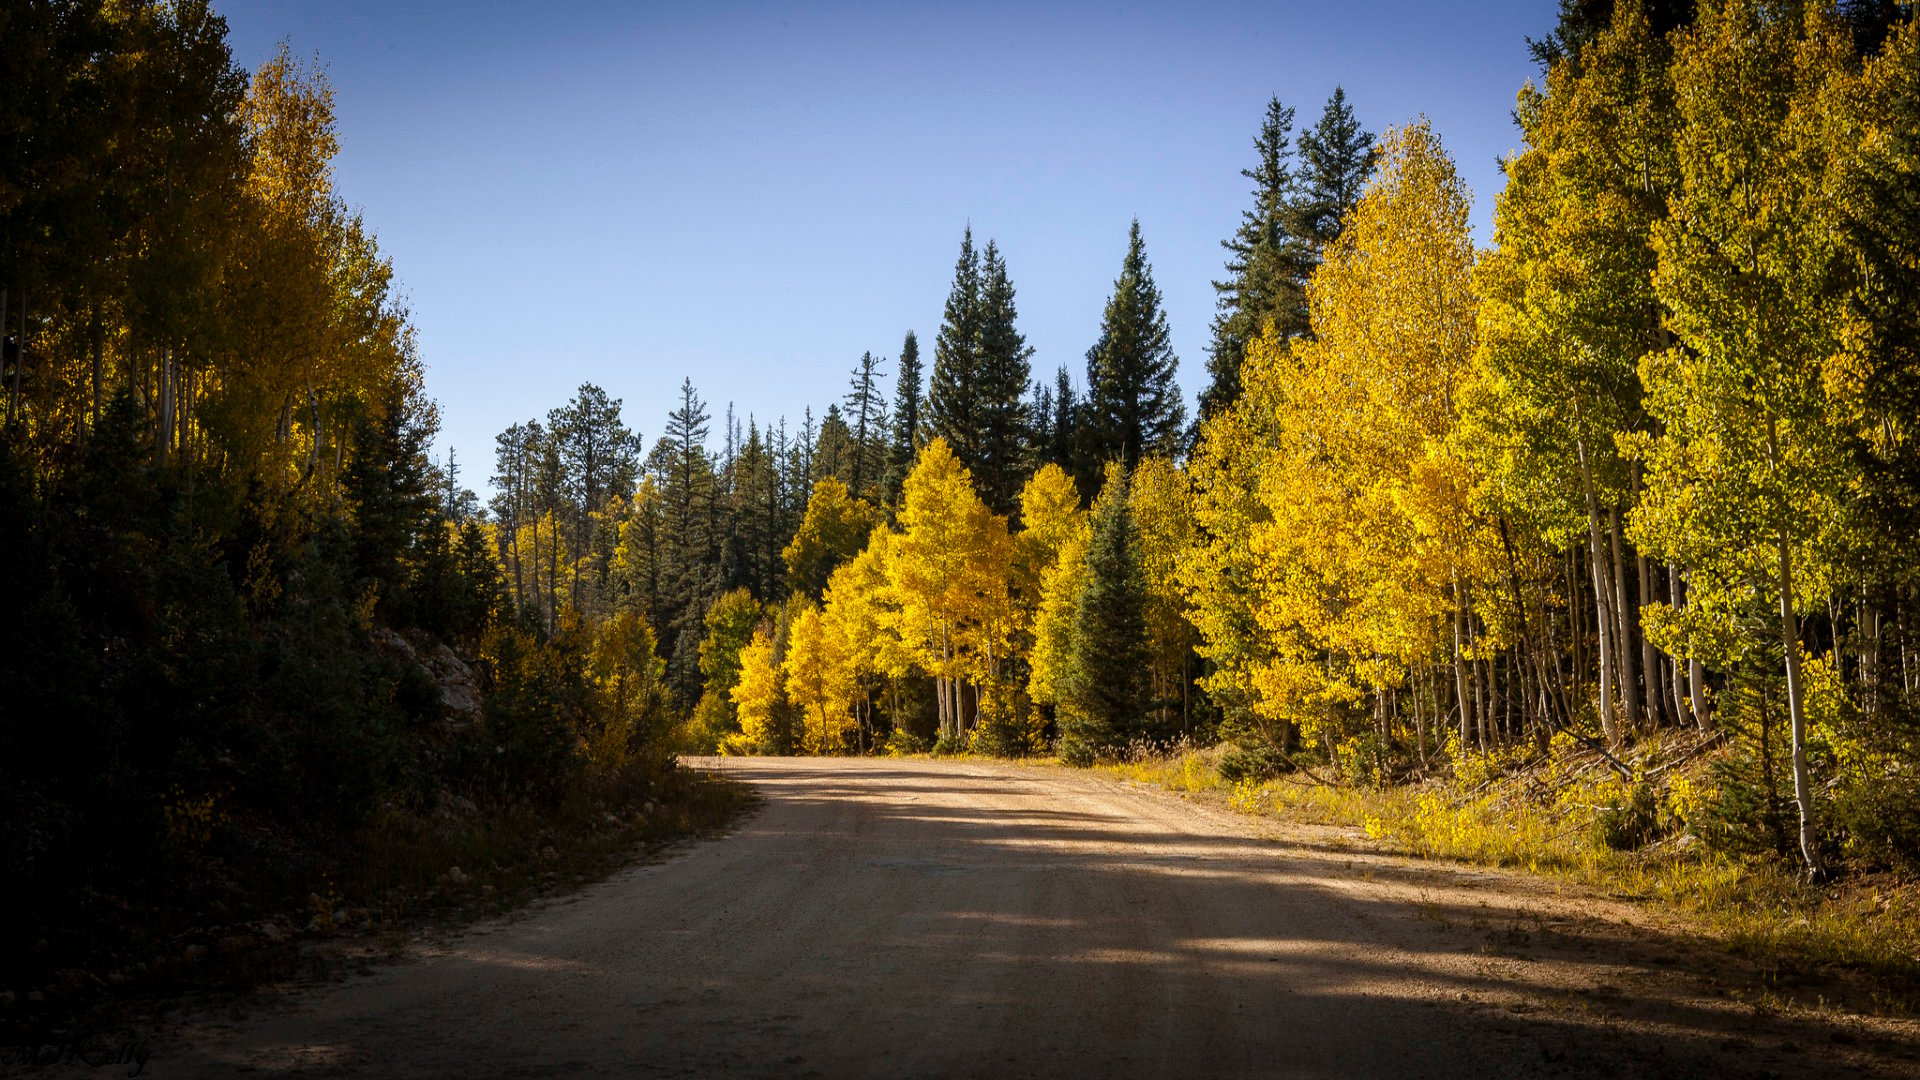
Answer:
[(260, 907), (1564, 818)]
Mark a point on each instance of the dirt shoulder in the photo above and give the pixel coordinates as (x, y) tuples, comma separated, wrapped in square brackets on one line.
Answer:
[(883, 917)]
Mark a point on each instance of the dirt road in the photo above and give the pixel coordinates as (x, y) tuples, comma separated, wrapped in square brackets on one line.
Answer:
[(914, 918)]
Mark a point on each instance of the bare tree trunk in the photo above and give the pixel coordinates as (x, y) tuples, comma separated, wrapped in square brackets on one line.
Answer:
[(1790, 641), (1624, 625), (1460, 676), (1419, 722), (1649, 657), (1602, 619), (94, 334), (1676, 597), (13, 397)]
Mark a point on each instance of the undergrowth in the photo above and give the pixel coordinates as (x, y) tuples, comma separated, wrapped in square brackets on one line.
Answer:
[(1571, 815)]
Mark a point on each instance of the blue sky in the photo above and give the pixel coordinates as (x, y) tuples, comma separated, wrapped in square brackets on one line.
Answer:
[(753, 195)]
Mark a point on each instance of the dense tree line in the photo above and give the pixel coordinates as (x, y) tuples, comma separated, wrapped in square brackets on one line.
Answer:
[(1645, 463), (226, 548)]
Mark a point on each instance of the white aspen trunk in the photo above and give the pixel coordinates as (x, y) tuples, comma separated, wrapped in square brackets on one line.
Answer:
[(1649, 657), (13, 397), (1796, 710), (1624, 626), (1419, 724), (1676, 595), (165, 442), (94, 334), (1460, 680), (1608, 724)]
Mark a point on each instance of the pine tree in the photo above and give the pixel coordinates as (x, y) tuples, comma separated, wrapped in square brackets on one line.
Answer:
[(1266, 280), (906, 418), (691, 578), (952, 393), (1133, 405), (1107, 679), (999, 388), (834, 451), (1060, 437), (1336, 158), (866, 416), (386, 487)]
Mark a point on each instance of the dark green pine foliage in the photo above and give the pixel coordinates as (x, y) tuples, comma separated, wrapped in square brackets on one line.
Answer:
[(1040, 415), (687, 491), (1581, 21), (1266, 265), (389, 488), (1000, 468), (834, 450), (866, 418), (1133, 405), (906, 418), (952, 391), (1108, 692), (1336, 158), (1060, 434), (599, 456)]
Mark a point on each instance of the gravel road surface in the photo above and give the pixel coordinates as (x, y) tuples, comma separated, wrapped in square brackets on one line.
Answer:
[(966, 919)]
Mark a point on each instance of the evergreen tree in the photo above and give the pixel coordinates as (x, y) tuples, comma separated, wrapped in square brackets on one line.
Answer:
[(834, 449), (1107, 678), (598, 458), (999, 388), (866, 416), (1266, 268), (1580, 22), (1061, 434), (1336, 158), (906, 417), (691, 578), (387, 490), (1133, 405), (952, 394)]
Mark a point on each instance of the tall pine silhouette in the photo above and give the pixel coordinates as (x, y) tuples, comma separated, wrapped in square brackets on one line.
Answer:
[(1266, 267), (980, 365), (1133, 406), (1108, 670), (1001, 410), (906, 417)]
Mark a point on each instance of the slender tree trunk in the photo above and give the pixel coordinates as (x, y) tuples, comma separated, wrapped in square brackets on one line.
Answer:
[(19, 362), (1790, 642), (1676, 597), (1460, 676), (1602, 619), (1419, 722), (14, 396), (1649, 657), (1625, 625), (94, 336)]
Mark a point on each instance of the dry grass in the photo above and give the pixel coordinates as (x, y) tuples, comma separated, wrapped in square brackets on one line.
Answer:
[(1547, 817)]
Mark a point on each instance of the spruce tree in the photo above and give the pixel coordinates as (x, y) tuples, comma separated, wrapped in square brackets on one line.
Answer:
[(999, 388), (1336, 158), (835, 451), (906, 417), (1107, 680), (692, 577), (1266, 268), (866, 417), (952, 412), (1133, 405), (1060, 436)]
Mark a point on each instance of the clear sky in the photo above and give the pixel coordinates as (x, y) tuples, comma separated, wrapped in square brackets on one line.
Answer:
[(752, 195)]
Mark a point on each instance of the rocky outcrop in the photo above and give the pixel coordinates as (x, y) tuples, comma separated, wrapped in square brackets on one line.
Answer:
[(462, 693)]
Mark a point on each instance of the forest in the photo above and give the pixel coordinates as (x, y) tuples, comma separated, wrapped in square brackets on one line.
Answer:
[(1649, 462)]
